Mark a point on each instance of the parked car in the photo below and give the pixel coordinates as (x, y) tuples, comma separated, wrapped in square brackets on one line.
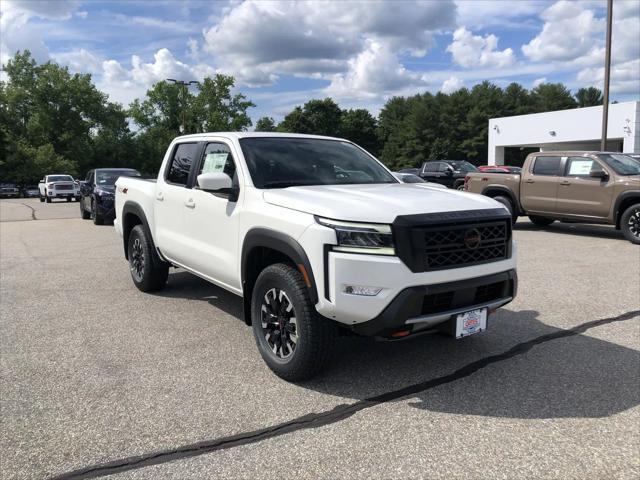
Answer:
[(56, 186), (449, 173), (411, 178), (30, 191), (635, 156), (589, 187), (97, 193), (315, 234), (9, 190), (499, 169)]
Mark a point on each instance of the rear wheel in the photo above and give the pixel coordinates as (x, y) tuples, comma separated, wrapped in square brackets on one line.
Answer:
[(541, 221), (294, 341), (459, 185), (630, 223), (148, 272), (506, 201)]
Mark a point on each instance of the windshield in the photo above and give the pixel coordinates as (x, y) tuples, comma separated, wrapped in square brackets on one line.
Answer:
[(410, 178), (109, 177), (463, 166), (288, 162), (59, 178), (622, 164)]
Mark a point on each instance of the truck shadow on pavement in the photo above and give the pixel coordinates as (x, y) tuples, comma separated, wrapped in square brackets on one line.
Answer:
[(580, 229), (571, 376)]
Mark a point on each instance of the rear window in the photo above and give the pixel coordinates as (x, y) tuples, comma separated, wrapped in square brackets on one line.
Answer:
[(546, 166), (183, 157)]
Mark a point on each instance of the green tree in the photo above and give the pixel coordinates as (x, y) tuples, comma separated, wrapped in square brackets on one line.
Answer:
[(589, 97), (548, 97), (265, 124), (216, 109), (318, 117), (360, 127)]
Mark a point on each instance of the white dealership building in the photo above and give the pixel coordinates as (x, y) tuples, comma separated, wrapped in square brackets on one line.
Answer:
[(576, 129)]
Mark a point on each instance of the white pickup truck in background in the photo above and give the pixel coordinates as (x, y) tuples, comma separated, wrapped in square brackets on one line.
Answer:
[(58, 186), (317, 236)]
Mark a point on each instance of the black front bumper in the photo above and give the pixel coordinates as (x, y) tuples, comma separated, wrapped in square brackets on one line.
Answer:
[(438, 303), (106, 208)]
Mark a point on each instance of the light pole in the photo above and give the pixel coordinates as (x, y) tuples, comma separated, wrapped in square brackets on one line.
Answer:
[(607, 76), (184, 86)]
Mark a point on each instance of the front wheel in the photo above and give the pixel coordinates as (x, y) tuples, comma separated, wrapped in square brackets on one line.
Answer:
[(95, 216), (41, 199), (83, 213), (630, 223), (148, 271), (294, 341), (541, 221)]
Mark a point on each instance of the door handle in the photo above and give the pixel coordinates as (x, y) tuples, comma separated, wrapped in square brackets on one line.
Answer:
[(159, 196), (565, 183), (190, 203), (528, 180)]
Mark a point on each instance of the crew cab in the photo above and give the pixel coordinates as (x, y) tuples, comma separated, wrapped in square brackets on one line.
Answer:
[(57, 186), (318, 237), (588, 187)]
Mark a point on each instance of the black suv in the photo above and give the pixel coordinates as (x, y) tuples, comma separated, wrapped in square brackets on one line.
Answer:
[(97, 193), (450, 173)]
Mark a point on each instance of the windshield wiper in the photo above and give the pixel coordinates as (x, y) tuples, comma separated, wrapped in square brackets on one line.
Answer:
[(282, 184)]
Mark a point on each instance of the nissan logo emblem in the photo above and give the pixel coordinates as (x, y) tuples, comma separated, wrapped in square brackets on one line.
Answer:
[(472, 238)]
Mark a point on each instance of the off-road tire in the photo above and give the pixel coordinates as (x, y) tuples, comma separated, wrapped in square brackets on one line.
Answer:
[(630, 223), (154, 272), (506, 201), (541, 221), (315, 334)]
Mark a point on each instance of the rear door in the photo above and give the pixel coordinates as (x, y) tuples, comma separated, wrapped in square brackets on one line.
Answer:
[(431, 173), (581, 194), (170, 202), (539, 184)]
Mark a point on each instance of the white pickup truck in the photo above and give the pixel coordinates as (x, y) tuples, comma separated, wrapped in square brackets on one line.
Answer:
[(58, 186), (317, 236)]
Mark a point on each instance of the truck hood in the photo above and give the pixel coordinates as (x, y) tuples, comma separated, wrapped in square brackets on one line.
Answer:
[(379, 203)]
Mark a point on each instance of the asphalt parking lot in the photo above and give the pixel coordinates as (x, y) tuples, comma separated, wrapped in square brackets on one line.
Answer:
[(101, 379)]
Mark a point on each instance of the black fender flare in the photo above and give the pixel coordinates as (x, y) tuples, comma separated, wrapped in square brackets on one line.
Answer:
[(134, 208), (505, 191), (282, 243), (633, 194)]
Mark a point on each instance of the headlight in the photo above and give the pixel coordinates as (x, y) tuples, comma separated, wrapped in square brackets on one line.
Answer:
[(356, 237), (51, 185)]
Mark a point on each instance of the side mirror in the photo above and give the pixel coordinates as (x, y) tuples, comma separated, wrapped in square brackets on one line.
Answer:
[(218, 183), (601, 174), (448, 171), (42, 180)]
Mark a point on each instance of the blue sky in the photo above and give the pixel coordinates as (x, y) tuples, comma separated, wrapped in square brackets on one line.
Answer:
[(360, 53)]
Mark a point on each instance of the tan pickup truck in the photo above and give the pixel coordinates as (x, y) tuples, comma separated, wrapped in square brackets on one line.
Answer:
[(588, 187)]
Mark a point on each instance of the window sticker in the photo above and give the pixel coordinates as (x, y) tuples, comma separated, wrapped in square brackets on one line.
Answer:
[(580, 167), (214, 162)]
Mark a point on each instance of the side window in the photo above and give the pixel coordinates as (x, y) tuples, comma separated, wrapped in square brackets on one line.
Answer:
[(547, 166), (89, 176), (442, 167), (218, 158), (580, 166), (183, 156)]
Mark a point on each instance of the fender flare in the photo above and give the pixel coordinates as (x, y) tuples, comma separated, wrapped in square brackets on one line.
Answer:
[(621, 198), (506, 191), (282, 243), (137, 210)]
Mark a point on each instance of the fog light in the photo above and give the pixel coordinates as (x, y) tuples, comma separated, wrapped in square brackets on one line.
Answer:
[(362, 290)]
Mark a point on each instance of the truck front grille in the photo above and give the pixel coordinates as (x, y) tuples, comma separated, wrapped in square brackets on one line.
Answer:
[(439, 241), (64, 187), (461, 245)]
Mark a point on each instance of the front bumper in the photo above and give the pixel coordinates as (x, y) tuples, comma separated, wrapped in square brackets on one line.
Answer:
[(61, 194), (105, 207), (422, 307)]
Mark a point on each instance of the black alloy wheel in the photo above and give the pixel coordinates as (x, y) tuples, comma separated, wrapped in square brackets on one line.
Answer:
[(279, 324), (137, 260), (630, 224)]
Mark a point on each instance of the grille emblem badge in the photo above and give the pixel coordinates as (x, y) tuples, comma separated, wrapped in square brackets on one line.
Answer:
[(472, 238)]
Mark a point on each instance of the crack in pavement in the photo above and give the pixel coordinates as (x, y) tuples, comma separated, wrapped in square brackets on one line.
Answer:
[(337, 414), (33, 210)]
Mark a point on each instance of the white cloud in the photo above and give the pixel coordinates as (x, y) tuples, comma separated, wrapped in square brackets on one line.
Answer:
[(625, 77), (257, 41), (374, 73), (58, 10), (570, 31), (539, 81), (470, 50), (451, 85), (81, 61), (479, 14)]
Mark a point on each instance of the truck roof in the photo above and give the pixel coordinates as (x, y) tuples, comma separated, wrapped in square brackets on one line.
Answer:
[(575, 152), (239, 135)]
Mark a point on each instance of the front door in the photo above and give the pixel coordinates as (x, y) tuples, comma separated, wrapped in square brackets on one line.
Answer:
[(581, 194), (211, 221), (539, 184), (170, 203)]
